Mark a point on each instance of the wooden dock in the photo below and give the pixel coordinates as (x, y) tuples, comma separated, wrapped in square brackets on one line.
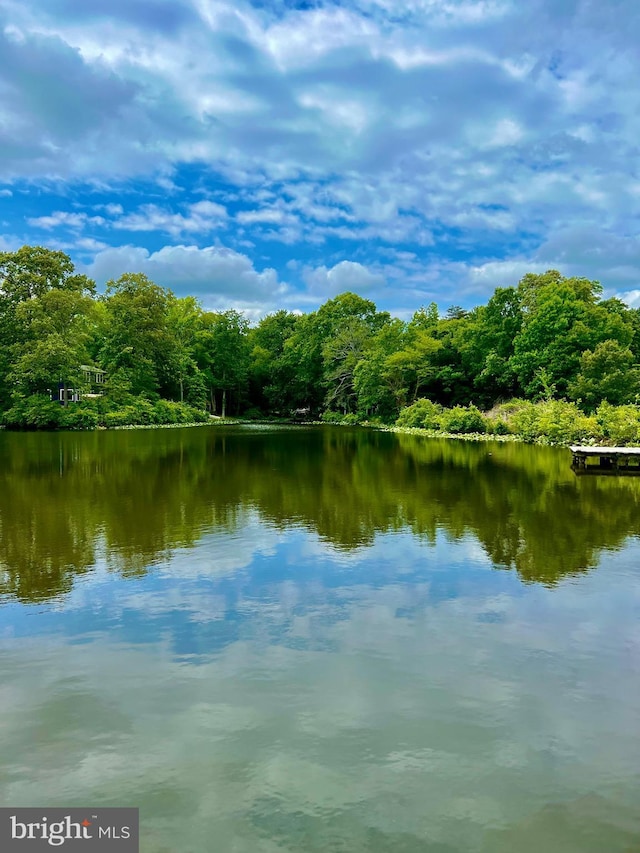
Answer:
[(610, 460)]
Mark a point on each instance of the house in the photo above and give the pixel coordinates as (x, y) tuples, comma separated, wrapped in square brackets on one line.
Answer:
[(93, 376), (94, 379)]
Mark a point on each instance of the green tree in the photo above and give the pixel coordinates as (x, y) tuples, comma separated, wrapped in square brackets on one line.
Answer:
[(487, 345), (321, 373), (55, 330), (561, 319), (138, 342), (380, 388), (270, 374), (610, 373), (26, 276), (184, 318), (223, 356), (346, 325), (44, 310)]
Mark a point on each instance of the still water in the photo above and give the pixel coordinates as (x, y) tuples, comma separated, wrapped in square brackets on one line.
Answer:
[(321, 639)]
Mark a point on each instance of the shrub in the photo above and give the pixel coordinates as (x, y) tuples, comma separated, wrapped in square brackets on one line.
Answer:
[(619, 424), (497, 426), (424, 414), (556, 421), (35, 412), (120, 417), (163, 412), (332, 417), (338, 418), (523, 421), (142, 412), (462, 419), (170, 412), (78, 417), (253, 414), (351, 420)]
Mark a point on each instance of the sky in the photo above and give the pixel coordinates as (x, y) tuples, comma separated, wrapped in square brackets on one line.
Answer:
[(274, 153)]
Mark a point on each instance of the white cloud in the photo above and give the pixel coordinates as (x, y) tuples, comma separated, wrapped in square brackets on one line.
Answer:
[(271, 216), (631, 297), (65, 219), (201, 218), (346, 275), (218, 275)]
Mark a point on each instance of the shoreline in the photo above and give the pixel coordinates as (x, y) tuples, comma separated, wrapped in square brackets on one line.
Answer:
[(509, 438)]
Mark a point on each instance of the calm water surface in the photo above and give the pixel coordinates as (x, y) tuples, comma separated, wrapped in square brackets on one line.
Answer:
[(321, 639)]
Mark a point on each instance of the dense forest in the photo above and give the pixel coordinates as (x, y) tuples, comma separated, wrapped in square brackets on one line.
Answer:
[(166, 359)]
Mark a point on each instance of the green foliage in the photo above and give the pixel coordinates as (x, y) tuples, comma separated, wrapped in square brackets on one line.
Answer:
[(620, 425), (554, 421), (607, 373), (424, 414), (222, 354), (37, 411), (78, 417), (562, 319), (330, 417), (496, 426), (462, 419), (551, 337), (138, 341), (40, 412)]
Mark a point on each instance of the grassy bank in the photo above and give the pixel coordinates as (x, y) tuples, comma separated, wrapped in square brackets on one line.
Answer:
[(548, 422), (39, 412)]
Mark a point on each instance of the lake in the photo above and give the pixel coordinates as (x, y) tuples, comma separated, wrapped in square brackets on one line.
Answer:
[(321, 639)]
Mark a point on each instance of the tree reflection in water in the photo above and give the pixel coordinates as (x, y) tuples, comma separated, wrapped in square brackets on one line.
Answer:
[(138, 495)]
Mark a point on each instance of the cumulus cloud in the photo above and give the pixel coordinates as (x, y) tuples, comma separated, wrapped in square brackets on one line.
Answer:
[(346, 275), (218, 275)]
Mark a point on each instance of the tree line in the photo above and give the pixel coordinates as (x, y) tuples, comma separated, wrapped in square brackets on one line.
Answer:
[(549, 337)]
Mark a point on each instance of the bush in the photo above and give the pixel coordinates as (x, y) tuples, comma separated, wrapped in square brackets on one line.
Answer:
[(462, 419), (339, 418), (619, 424), (424, 414), (332, 417), (555, 421), (253, 414), (120, 417), (78, 417), (497, 426), (163, 412), (35, 412)]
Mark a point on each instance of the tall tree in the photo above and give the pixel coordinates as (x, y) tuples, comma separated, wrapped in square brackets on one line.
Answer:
[(44, 307), (55, 331), (223, 356), (184, 320), (487, 345), (270, 373), (138, 343), (561, 319)]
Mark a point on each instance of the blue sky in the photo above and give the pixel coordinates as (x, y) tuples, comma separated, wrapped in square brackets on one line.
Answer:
[(274, 153)]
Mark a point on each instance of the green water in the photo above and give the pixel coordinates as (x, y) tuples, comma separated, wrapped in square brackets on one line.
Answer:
[(321, 639)]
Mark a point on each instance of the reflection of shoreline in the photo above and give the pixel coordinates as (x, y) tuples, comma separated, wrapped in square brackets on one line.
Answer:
[(147, 493)]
